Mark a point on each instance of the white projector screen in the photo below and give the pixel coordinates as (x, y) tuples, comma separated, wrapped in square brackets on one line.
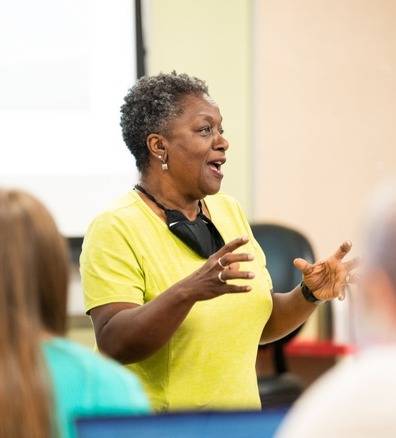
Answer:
[(65, 66)]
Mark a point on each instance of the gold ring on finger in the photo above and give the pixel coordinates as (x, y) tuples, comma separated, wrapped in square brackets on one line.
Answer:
[(220, 277)]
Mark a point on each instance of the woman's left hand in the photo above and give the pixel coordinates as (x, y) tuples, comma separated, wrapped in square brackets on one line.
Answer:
[(327, 279)]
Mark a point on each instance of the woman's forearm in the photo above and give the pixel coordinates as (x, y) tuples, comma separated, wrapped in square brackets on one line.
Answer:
[(133, 334), (290, 310)]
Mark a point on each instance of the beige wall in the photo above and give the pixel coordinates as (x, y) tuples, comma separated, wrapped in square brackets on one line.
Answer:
[(325, 105), (325, 87), (211, 40)]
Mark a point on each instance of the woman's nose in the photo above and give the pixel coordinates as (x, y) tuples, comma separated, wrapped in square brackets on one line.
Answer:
[(221, 142)]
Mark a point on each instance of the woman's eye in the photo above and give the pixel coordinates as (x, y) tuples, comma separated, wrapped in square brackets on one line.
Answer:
[(206, 130)]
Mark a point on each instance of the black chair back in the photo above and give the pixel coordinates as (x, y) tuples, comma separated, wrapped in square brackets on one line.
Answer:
[(281, 246)]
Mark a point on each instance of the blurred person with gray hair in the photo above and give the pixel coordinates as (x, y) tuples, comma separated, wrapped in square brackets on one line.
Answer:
[(357, 398)]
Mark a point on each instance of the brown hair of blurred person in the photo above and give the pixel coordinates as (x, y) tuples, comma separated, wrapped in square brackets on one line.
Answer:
[(33, 294)]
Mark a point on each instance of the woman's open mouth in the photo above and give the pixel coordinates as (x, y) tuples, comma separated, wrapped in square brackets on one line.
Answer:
[(215, 167)]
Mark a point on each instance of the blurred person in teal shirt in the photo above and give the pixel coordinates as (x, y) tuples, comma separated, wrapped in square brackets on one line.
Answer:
[(46, 380)]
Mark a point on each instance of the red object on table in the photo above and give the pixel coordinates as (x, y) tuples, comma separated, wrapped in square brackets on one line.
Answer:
[(318, 348)]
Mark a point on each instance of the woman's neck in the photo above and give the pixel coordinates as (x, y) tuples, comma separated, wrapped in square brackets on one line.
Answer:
[(168, 195)]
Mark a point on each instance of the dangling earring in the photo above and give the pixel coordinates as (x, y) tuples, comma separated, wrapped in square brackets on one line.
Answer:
[(164, 166)]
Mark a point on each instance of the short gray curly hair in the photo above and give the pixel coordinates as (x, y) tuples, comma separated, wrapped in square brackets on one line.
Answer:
[(150, 104)]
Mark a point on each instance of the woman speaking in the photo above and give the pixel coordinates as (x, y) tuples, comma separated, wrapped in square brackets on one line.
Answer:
[(175, 284)]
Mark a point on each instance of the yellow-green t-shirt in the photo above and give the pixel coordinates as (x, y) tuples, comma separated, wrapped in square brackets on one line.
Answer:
[(129, 255)]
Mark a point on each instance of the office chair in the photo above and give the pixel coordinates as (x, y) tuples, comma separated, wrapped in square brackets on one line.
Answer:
[(281, 246)]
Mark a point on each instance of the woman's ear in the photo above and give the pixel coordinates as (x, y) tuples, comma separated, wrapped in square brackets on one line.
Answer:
[(156, 144)]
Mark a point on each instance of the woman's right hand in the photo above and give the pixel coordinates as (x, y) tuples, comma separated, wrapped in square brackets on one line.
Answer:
[(209, 281)]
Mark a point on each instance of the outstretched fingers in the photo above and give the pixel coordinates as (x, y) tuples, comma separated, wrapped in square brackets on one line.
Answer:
[(231, 246), (303, 266), (352, 264), (232, 274), (227, 265), (233, 288), (226, 259), (343, 250), (231, 258)]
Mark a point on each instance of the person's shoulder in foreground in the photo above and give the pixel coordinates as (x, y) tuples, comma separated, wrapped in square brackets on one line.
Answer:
[(355, 399), (87, 384)]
